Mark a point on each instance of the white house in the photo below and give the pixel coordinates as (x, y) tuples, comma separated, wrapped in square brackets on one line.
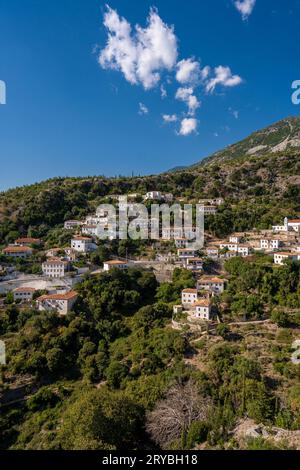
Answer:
[(294, 225), (89, 229), (83, 244), (240, 250), (72, 224), (184, 253), (23, 294), (243, 250), (172, 232), (194, 264), (281, 228), (213, 202), (18, 251), (202, 309), (28, 241), (281, 257), (189, 297), (212, 251), (211, 284), (63, 303), (209, 210), (114, 264), (229, 246), (181, 242), (234, 239), (55, 268), (154, 196), (269, 244)]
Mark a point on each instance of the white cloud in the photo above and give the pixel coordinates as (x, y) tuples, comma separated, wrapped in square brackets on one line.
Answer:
[(187, 96), (188, 71), (170, 118), (143, 109), (163, 92), (245, 7), (234, 113), (223, 76), (141, 55), (188, 126)]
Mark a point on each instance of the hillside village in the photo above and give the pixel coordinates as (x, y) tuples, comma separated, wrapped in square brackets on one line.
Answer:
[(281, 243), (130, 318)]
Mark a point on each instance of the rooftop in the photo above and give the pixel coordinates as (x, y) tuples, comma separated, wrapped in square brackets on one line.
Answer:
[(24, 289), (17, 249), (68, 296), (202, 303)]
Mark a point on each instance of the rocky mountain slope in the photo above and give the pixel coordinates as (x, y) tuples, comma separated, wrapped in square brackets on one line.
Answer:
[(279, 137)]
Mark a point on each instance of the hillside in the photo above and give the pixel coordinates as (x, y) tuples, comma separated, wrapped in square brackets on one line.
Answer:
[(279, 137), (259, 187)]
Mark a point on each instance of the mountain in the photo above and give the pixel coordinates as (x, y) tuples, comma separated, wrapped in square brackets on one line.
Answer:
[(281, 136)]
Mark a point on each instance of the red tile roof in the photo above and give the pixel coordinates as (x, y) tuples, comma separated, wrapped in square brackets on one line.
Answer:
[(68, 296), (17, 249)]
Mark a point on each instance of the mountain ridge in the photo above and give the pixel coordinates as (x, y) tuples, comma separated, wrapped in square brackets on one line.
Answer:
[(275, 138)]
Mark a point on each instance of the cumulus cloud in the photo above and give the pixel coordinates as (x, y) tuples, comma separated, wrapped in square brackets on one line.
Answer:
[(140, 54), (189, 72), (148, 56), (170, 118), (223, 76), (143, 109), (188, 126), (186, 94), (245, 7)]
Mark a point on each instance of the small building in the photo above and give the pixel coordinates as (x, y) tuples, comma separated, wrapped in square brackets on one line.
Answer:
[(90, 229), (72, 224), (213, 202), (294, 225), (63, 303), (235, 239), (114, 264), (212, 252), (55, 268), (172, 233), (184, 253), (17, 251), (194, 264), (23, 294), (177, 309), (83, 244), (202, 309), (180, 242), (270, 244), (243, 250), (189, 297), (154, 196), (229, 246), (209, 210), (281, 257), (211, 284), (28, 241)]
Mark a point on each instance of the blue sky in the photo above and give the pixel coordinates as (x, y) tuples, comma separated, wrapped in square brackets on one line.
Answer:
[(66, 115)]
